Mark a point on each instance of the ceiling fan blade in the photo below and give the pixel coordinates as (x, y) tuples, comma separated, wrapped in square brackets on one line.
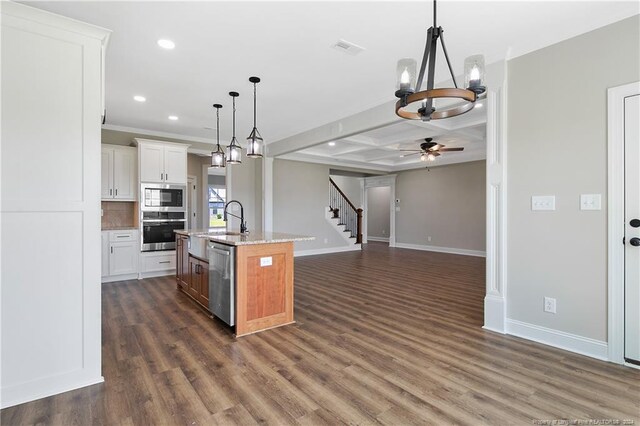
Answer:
[(435, 154), (410, 150), (413, 153), (450, 149)]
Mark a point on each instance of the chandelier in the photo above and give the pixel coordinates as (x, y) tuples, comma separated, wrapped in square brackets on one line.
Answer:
[(409, 88)]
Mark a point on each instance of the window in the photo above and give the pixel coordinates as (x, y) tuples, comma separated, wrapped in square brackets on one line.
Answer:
[(217, 200)]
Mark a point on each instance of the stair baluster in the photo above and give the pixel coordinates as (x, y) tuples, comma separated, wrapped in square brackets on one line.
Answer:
[(343, 208)]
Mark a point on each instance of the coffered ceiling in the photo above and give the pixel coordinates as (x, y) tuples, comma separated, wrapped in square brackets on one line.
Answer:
[(379, 149)]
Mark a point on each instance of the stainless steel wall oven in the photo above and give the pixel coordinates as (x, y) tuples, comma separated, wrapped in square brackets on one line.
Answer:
[(157, 230)]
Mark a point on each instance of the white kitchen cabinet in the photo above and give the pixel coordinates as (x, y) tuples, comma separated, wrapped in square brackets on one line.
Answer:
[(123, 258), (119, 177), (120, 255), (162, 162)]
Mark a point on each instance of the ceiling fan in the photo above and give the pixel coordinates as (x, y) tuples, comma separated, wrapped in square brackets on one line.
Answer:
[(429, 150)]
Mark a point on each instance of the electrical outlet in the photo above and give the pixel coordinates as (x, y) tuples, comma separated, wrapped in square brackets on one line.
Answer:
[(550, 305), (326, 240), (543, 202), (384, 232), (429, 238)]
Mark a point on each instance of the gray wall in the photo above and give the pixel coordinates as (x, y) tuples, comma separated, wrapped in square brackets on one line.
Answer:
[(300, 200), (557, 145), (352, 188), (378, 214), (446, 203), (242, 187)]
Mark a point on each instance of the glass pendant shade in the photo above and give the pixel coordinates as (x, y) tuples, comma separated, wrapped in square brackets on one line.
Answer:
[(474, 74), (234, 153), (217, 156), (406, 76), (254, 144)]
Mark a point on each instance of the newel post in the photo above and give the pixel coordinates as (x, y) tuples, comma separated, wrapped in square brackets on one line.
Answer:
[(359, 233)]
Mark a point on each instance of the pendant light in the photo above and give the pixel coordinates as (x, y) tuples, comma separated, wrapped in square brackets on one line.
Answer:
[(254, 141), (409, 90), (234, 151), (217, 156)]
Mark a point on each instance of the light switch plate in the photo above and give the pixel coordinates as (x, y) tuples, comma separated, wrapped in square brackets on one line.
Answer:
[(590, 202), (543, 202), (266, 261)]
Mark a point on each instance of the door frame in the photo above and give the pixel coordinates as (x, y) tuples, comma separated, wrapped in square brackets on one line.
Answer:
[(615, 218), (192, 206), (374, 182)]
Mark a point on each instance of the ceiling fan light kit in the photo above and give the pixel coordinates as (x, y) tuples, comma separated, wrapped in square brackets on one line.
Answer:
[(255, 143), (409, 84)]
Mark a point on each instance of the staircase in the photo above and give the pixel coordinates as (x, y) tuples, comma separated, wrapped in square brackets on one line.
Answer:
[(344, 215)]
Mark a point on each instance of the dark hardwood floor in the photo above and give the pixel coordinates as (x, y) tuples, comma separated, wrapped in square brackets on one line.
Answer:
[(386, 336)]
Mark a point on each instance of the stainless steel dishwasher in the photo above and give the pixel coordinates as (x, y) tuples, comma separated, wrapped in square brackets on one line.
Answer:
[(222, 282)]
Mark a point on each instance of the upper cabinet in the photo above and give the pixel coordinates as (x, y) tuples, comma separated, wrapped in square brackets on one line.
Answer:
[(162, 162), (119, 177)]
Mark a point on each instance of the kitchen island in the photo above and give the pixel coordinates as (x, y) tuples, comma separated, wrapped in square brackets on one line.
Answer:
[(246, 280)]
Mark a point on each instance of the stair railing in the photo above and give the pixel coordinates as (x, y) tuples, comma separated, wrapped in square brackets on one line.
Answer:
[(343, 209)]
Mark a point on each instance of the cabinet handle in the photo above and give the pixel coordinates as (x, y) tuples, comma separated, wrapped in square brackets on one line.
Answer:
[(122, 236), (116, 192), (161, 176), (166, 176), (111, 250), (110, 191), (166, 261)]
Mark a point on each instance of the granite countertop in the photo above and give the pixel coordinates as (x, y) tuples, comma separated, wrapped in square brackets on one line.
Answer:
[(120, 228), (236, 239)]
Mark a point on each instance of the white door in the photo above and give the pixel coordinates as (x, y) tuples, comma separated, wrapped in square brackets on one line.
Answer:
[(124, 174), (106, 185), (152, 163), (123, 258), (632, 228), (175, 165)]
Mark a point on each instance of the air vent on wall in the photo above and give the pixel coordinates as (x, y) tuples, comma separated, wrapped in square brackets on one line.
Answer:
[(347, 47)]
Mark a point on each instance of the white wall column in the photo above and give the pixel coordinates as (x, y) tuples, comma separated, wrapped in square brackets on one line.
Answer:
[(496, 263)]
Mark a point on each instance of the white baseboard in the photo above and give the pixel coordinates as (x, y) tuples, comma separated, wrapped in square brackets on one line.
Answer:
[(438, 249), (381, 239), (42, 388), (312, 252), (559, 339), (494, 313), (120, 278)]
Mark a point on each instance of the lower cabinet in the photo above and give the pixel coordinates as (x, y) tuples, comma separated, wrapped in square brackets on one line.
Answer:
[(182, 262), (120, 255), (192, 273)]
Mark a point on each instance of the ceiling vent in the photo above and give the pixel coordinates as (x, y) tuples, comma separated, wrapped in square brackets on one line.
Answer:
[(347, 47)]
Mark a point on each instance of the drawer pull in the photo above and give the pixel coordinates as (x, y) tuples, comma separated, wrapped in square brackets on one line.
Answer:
[(122, 236), (165, 261)]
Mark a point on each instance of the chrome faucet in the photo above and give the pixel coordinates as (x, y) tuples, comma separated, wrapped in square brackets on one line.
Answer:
[(243, 224)]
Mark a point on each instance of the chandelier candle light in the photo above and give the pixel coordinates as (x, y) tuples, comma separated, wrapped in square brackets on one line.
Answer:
[(254, 141), (217, 156), (408, 89), (234, 151)]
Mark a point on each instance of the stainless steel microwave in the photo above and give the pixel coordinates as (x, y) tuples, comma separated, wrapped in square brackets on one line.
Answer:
[(162, 197)]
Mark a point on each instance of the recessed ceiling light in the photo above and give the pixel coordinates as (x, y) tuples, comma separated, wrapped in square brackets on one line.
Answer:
[(173, 117), (139, 98), (166, 44), (332, 144), (478, 106)]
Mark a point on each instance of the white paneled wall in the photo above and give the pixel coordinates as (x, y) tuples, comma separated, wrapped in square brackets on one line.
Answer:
[(50, 211)]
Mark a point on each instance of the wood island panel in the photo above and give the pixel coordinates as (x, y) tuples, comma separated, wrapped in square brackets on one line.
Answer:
[(264, 297)]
